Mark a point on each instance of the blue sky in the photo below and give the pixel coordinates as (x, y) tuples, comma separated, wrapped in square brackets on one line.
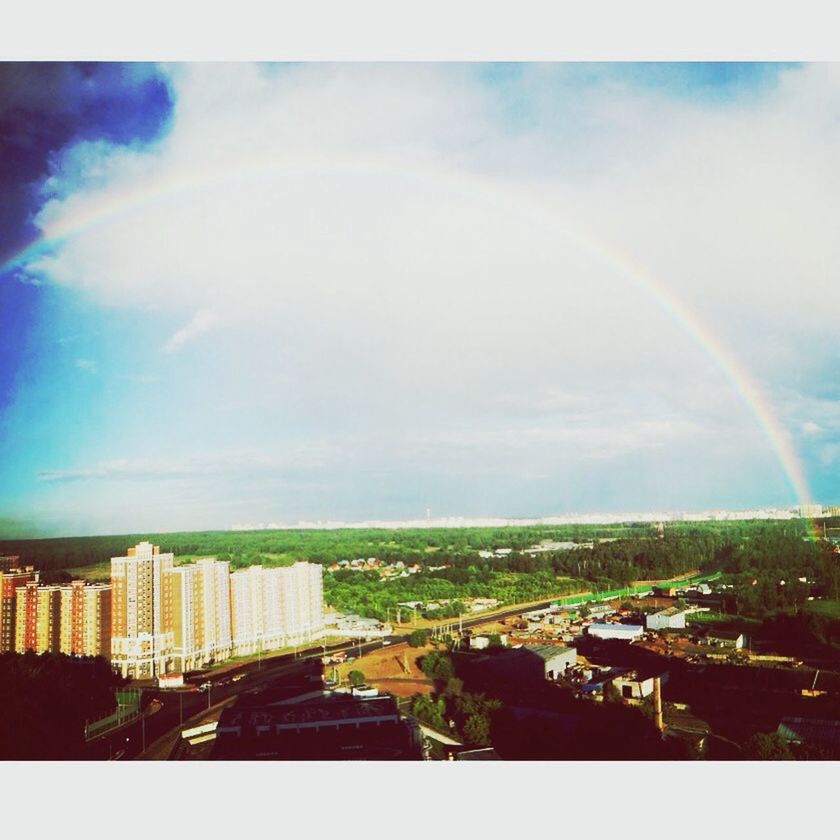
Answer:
[(268, 293)]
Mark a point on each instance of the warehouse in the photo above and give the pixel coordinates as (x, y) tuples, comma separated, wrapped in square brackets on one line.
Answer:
[(667, 619), (726, 638), (555, 659), (625, 632)]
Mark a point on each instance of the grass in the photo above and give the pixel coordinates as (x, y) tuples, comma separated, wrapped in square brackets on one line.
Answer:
[(827, 607), (96, 571)]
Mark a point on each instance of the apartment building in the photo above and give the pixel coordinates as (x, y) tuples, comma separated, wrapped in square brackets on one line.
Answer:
[(302, 598), (246, 610), (37, 618), (10, 582), (142, 638), (85, 627), (188, 617), (216, 594), (201, 613), (276, 607)]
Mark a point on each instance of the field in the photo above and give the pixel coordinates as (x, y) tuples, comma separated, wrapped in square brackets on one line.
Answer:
[(95, 572), (827, 608), (386, 670)]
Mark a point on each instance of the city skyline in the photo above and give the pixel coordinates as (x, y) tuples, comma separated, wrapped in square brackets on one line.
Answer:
[(270, 293)]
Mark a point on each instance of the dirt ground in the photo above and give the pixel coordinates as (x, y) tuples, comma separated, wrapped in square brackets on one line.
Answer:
[(385, 669)]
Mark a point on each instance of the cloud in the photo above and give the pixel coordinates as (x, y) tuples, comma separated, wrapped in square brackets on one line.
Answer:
[(87, 365), (199, 324), (446, 272)]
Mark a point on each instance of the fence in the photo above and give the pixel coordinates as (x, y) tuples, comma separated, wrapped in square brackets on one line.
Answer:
[(128, 709), (628, 591)]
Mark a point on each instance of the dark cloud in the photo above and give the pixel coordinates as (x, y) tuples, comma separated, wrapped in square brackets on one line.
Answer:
[(44, 106)]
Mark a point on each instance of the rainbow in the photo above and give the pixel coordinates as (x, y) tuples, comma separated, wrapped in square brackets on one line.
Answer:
[(108, 207)]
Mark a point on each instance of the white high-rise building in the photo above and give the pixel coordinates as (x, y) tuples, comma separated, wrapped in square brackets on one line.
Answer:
[(216, 593), (303, 602), (201, 613), (276, 607), (246, 610)]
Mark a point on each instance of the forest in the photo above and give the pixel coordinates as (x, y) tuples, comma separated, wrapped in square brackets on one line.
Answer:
[(608, 556)]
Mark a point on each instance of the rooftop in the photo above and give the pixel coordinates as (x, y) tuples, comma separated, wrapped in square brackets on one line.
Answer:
[(671, 611), (548, 652)]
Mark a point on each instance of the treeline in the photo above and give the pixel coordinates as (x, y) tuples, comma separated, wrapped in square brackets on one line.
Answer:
[(421, 545), (365, 593)]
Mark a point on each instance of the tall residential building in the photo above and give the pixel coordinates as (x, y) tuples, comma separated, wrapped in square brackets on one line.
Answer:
[(10, 581), (38, 618), (142, 639), (275, 607), (188, 617), (85, 619), (216, 592), (303, 602), (246, 610)]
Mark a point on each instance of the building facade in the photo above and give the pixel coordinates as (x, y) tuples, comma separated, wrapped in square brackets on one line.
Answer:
[(246, 611), (276, 607), (188, 617), (667, 619), (10, 582), (37, 618), (215, 576), (142, 638), (85, 628)]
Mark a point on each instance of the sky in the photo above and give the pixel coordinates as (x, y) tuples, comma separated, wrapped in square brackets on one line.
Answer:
[(240, 293)]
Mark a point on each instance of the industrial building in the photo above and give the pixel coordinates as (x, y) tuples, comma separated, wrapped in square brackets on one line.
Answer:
[(624, 632), (635, 685), (668, 619), (326, 727), (824, 734), (556, 660), (726, 638)]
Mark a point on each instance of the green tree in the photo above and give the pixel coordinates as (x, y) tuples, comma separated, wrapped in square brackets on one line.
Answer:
[(437, 665), (356, 678), (418, 638), (477, 730), (767, 747)]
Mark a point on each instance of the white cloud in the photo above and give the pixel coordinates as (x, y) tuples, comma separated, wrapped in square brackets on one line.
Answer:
[(199, 324), (87, 365), (383, 253)]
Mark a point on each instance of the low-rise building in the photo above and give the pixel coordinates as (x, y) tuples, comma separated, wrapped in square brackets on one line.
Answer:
[(624, 632), (726, 638), (322, 727), (556, 660), (667, 619), (635, 686)]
